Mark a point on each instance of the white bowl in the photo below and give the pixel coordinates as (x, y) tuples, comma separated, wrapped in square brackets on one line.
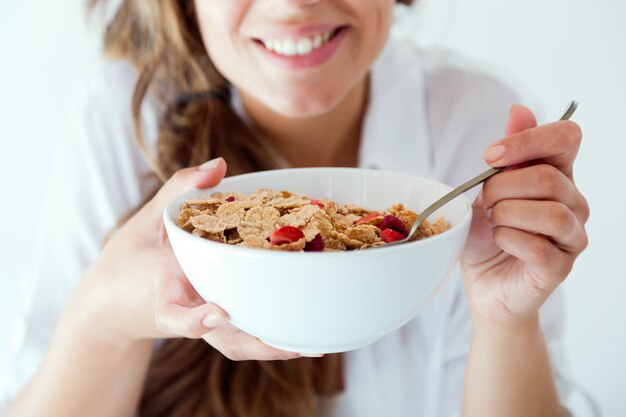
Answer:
[(324, 302)]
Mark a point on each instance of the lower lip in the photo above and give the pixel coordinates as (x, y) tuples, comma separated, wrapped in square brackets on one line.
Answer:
[(313, 59)]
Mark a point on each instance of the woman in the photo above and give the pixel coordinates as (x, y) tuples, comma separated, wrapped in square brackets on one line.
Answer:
[(273, 83)]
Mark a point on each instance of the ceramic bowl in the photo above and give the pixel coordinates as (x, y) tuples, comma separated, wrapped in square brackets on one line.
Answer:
[(324, 302)]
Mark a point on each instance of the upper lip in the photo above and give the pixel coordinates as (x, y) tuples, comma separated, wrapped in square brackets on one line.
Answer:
[(297, 32)]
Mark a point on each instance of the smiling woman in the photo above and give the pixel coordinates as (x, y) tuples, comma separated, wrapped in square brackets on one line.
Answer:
[(292, 56), (267, 84), (234, 34)]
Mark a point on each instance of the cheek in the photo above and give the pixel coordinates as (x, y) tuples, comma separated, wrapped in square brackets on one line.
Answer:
[(219, 21), (376, 22)]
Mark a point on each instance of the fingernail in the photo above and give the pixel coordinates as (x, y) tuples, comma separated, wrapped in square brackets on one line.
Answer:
[(213, 319), (212, 164), (511, 109), (311, 355), (493, 153)]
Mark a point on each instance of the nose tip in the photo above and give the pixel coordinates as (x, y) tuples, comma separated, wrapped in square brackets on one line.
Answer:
[(299, 3), (291, 9)]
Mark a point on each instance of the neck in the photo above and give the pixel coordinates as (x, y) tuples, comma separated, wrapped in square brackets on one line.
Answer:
[(328, 139)]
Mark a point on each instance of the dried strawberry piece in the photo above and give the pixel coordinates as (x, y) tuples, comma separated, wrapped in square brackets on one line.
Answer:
[(393, 223), (368, 218), (390, 235), (230, 199), (316, 245), (315, 202), (286, 234)]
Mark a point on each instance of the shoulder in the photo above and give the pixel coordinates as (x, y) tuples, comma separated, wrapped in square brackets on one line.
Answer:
[(448, 105), (100, 136), (461, 92), (456, 89), (109, 91), (467, 106), (440, 103), (103, 110), (450, 73), (465, 94), (113, 79)]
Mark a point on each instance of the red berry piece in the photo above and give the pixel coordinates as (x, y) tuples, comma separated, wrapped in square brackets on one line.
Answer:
[(390, 235), (230, 199), (286, 234), (367, 218), (315, 202), (393, 223), (316, 245)]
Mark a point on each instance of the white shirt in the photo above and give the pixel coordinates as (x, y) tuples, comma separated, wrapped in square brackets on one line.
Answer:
[(428, 115)]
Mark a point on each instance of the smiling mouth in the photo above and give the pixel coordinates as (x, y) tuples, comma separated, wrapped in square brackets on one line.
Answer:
[(302, 46)]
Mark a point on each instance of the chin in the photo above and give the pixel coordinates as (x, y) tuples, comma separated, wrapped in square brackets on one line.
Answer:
[(305, 104)]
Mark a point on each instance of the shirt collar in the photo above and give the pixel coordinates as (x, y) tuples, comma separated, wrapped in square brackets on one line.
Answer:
[(395, 134)]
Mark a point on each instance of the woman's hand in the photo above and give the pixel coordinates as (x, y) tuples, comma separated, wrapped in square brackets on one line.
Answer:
[(136, 289), (528, 224)]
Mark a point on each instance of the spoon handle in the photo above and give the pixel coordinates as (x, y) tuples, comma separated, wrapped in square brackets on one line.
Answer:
[(473, 182), (455, 193)]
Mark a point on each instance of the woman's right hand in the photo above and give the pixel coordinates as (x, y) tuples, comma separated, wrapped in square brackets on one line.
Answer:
[(136, 290)]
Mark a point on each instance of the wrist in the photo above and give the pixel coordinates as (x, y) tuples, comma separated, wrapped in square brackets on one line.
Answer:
[(508, 371), (84, 324), (93, 313), (519, 328)]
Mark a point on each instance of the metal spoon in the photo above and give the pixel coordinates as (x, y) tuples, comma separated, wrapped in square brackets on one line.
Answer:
[(467, 186)]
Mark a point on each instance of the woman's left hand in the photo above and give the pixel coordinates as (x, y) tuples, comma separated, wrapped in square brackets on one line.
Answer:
[(528, 224)]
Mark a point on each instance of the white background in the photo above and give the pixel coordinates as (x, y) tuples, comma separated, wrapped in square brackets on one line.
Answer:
[(558, 49)]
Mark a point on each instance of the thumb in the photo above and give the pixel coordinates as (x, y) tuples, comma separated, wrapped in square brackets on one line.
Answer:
[(206, 175), (520, 118)]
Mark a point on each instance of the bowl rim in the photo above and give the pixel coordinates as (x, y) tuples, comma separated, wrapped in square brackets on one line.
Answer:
[(172, 227)]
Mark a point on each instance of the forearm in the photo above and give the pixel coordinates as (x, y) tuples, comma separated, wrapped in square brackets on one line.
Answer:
[(85, 373), (508, 374)]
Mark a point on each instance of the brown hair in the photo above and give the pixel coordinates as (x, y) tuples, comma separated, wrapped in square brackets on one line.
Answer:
[(189, 378)]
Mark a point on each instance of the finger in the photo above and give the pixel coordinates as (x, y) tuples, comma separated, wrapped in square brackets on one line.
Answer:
[(547, 218), (520, 118), (538, 182), (555, 143), (176, 288), (237, 345), (480, 246), (177, 312), (206, 175), (548, 264), (192, 322)]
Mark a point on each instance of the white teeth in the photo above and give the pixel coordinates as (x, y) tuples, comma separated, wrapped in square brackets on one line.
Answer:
[(302, 46), (277, 47), (305, 46), (289, 47), (317, 41)]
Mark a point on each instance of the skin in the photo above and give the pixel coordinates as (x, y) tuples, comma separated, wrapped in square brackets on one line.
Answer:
[(293, 109), (527, 230)]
